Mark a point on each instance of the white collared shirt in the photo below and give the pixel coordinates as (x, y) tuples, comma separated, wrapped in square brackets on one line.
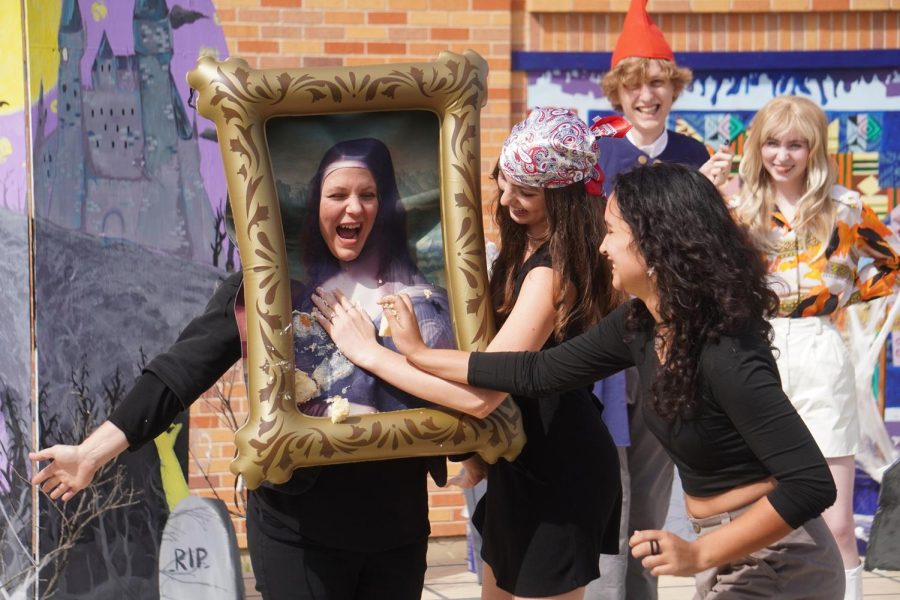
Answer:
[(652, 150)]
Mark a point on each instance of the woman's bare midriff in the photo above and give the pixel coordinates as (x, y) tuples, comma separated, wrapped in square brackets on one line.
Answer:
[(733, 499)]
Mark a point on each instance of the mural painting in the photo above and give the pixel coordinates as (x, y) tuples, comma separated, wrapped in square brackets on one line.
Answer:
[(16, 406), (128, 244)]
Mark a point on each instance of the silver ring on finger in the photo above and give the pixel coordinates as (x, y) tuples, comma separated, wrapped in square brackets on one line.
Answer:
[(654, 547)]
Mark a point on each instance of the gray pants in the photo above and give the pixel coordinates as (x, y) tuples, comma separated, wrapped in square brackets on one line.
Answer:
[(805, 564), (647, 474)]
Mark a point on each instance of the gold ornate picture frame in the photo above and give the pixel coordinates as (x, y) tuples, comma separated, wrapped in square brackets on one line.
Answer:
[(278, 438)]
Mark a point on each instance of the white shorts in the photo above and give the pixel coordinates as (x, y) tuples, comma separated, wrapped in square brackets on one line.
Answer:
[(817, 375)]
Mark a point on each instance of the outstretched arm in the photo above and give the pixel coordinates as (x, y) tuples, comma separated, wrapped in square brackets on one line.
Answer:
[(206, 348)]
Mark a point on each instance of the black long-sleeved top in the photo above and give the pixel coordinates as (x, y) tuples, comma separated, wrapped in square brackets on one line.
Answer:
[(368, 506), (744, 429)]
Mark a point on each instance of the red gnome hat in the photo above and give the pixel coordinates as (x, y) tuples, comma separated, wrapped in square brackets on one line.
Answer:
[(640, 36)]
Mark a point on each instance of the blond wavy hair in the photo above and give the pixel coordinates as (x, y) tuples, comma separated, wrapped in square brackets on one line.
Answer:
[(632, 72), (816, 211)]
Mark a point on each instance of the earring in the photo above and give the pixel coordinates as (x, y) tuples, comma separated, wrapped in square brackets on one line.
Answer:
[(651, 272)]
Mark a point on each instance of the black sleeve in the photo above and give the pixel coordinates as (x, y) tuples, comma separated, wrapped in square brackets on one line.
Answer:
[(174, 379), (744, 381), (579, 362), (148, 410)]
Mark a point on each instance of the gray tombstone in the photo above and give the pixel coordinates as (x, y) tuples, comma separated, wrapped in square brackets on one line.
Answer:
[(198, 556), (883, 551)]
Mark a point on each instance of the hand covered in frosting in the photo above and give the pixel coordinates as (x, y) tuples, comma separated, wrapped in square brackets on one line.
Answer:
[(349, 326), (404, 326)]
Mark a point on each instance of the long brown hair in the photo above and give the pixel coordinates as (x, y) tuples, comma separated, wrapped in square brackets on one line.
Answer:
[(576, 228)]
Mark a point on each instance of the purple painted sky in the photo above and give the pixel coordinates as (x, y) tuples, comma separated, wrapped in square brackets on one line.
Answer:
[(188, 40)]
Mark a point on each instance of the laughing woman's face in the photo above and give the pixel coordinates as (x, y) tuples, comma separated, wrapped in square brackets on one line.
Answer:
[(347, 211)]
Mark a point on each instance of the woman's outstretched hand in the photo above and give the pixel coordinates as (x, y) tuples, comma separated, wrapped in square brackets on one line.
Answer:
[(349, 326), (398, 310), (664, 553), (72, 468), (69, 471)]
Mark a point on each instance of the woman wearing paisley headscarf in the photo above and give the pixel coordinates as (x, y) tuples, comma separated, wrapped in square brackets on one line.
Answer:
[(825, 250), (545, 518)]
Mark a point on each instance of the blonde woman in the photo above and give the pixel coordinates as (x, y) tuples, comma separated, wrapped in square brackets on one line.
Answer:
[(815, 233)]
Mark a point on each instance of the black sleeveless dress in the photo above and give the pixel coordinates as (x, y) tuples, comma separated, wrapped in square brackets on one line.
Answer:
[(548, 515)]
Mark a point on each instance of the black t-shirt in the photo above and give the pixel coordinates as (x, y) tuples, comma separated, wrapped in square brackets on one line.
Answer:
[(744, 429), (368, 506)]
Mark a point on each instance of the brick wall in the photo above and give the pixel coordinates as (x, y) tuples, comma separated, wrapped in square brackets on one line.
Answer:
[(729, 32), (312, 33)]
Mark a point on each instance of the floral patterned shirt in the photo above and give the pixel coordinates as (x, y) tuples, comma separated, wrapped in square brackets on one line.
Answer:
[(860, 262)]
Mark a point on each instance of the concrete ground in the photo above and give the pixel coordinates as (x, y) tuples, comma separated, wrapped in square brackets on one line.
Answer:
[(454, 581), (448, 578)]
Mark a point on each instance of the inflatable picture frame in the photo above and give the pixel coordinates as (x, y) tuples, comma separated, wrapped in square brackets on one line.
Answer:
[(278, 438)]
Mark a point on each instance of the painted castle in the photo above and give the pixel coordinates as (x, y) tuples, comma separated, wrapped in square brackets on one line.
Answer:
[(124, 159)]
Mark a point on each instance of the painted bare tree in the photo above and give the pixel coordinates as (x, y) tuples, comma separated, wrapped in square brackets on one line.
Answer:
[(219, 234), (103, 542), (15, 494)]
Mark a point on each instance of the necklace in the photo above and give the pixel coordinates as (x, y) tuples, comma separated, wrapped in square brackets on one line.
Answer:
[(538, 238)]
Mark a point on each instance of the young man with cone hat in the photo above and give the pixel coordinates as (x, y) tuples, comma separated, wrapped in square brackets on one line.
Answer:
[(643, 82)]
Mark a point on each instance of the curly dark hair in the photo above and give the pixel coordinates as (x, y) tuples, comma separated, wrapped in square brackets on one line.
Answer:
[(710, 277), (576, 228)]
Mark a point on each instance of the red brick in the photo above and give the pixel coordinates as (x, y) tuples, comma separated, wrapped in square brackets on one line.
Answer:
[(322, 61), (269, 32), (344, 17), (490, 33), (445, 499), (232, 30), (385, 48), (409, 33), (387, 18), (257, 46), (449, 4), (259, 15), (447, 529), (426, 49), (324, 33), (344, 47), (226, 14), (493, 4), (302, 16), (449, 33), (282, 3), (750, 6)]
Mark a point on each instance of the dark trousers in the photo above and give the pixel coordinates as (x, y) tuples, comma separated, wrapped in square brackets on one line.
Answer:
[(290, 567)]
